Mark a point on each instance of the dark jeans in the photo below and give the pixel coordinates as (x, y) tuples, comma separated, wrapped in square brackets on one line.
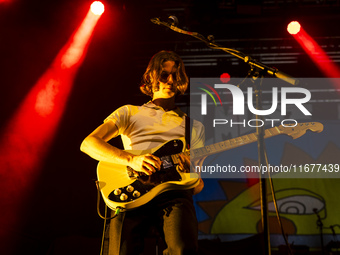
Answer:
[(172, 213)]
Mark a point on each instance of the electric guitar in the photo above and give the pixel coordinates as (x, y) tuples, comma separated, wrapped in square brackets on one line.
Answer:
[(120, 191)]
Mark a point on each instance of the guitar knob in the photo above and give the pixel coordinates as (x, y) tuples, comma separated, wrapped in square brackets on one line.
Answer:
[(117, 192), (136, 193), (123, 197), (129, 188)]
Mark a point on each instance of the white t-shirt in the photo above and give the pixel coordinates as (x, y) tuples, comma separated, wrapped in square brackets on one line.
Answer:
[(148, 126)]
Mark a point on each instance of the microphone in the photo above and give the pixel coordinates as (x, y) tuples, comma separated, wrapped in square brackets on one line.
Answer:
[(172, 21)]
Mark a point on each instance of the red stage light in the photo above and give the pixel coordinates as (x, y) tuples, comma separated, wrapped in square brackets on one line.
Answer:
[(97, 8), (225, 77), (25, 141), (317, 54), (294, 27)]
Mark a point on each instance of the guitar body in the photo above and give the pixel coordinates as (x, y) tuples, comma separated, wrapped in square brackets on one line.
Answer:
[(124, 192)]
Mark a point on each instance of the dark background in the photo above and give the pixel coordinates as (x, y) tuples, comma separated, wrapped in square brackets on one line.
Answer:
[(60, 216)]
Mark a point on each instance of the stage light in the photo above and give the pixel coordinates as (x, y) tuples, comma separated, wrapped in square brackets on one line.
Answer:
[(225, 77), (293, 27), (27, 137), (317, 54), (97, 8)]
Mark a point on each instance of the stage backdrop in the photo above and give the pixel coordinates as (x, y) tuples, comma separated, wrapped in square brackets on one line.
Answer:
[(305, 173)]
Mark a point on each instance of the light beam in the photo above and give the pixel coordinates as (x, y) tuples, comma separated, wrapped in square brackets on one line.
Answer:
[(317, 54), (26, 139)]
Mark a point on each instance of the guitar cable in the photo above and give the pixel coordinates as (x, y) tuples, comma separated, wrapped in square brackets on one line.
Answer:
[(105, 218), (118, 209), (103, 235)]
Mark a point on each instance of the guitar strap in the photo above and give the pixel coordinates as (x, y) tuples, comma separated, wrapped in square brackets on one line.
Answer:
[(188, 123)]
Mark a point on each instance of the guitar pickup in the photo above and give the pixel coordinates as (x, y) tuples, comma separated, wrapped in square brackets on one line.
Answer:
[(167, 162)]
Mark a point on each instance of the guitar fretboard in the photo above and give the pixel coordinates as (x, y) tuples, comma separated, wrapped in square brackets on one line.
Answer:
[(231, 144), (294, 131)]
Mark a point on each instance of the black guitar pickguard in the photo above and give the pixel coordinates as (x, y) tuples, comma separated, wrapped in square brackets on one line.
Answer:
[(145, 183)]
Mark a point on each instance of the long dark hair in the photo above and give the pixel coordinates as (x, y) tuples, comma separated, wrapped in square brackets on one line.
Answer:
[(154, 69)]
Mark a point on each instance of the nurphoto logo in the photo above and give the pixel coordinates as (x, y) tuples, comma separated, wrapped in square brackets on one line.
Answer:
[(284, 96)]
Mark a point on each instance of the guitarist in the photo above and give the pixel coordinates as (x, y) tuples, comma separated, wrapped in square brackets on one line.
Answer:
[(146, 127)]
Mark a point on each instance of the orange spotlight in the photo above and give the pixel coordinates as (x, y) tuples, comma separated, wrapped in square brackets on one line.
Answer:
[(97, 8), (293, 27)]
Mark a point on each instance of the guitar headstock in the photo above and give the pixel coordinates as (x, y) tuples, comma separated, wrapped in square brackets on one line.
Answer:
[(300, 129)]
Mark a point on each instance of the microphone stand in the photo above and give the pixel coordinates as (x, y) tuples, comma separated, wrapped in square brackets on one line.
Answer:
[(320, 226), (247, 59), (258, 70), (262, 158)]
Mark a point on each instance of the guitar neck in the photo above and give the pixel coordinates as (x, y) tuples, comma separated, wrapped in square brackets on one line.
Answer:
[(231, 144)]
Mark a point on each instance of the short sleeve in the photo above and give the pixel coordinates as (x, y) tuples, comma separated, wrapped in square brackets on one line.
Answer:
[(121, 118), (197, 135)]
